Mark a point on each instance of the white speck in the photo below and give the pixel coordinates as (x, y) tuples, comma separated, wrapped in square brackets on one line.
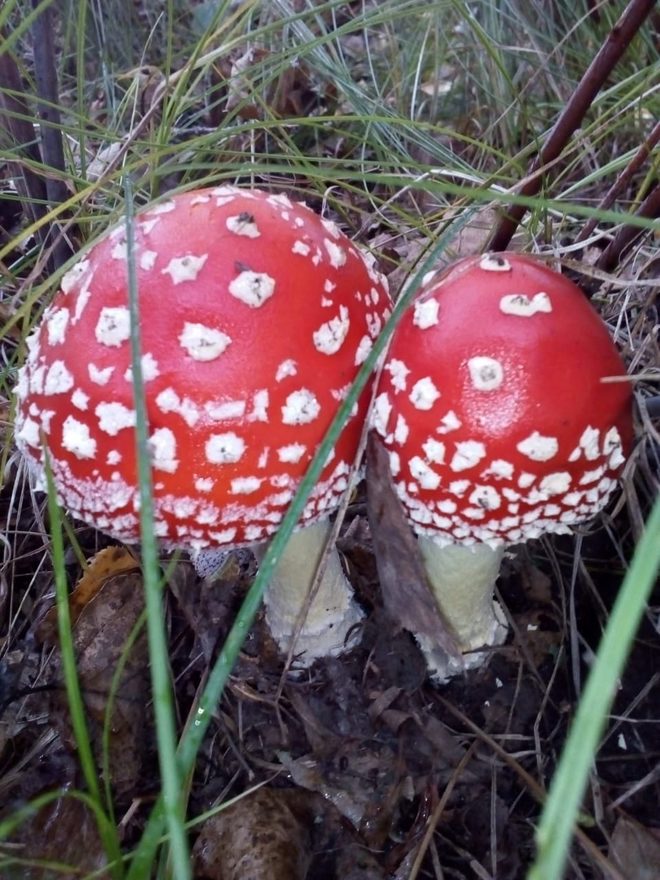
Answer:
[(260, 402), (114, 417), (77, 439), (521, 305), (448, 423), (58, 379), (426, 313), (245, 485), (79, 399), (224, 448), (75, 273), (281, 200), (204, 484), (537, 447), (203, 343), (401, 430), (434, 450), (169, 401), (252, 288), (243, 224), (330, 337), (100, 376), (447, 506), (486, 373), (150, 369), (425, 476), (486, 497), (589, 443), (362, 352), (162, 208), (340, 393), (162, 444), (374, 324), (30, 433), (468, 454), (300, 408), (399, 373), (263, 458), (499, 468), (336, 253), (299, 247), (382, 410), (612, 447), (395, 463), (328, 286), (592, 476), (146, 226), (292, 453), (113, 457), (82, 300), (286, 368), (555, 484), (113, 327), (57, 324), (494, 263), (119, 251), (525, 480), (148, 260), (424, 394), (185, 268)]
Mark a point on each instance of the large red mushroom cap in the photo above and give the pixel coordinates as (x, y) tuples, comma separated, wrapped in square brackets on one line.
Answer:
[(495, 404), (256, 315)]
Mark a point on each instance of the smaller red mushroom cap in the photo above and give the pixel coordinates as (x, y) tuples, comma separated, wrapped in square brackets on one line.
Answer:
[(256, 315), (495, 404)]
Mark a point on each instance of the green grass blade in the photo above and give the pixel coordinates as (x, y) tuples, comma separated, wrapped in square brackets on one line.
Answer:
[(158, 647), (570, 779)]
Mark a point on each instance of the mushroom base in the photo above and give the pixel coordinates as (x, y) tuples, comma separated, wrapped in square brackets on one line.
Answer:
[(462, 579), (332, 613)]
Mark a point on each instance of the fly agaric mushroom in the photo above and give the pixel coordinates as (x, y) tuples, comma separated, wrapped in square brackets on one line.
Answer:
[(256, 316), (500, 424)]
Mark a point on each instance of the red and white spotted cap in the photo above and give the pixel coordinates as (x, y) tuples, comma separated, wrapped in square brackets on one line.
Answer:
[(256, 316), (495, 407)]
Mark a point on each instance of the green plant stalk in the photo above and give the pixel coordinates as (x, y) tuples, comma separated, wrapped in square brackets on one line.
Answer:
[(71, 683), (570, 779), (161, 687), (194, 735)]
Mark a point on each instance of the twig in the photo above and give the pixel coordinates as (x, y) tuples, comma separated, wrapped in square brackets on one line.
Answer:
[(622, 181), (51, 132), (14, 115), (574, 112), (625, 237)]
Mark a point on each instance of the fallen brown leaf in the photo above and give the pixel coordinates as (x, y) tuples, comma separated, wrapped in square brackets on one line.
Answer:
[(635, 849), (406, 593), (259, 837)]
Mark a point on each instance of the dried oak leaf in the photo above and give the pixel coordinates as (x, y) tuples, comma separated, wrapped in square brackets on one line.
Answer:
[(406, 593), (259, 837)]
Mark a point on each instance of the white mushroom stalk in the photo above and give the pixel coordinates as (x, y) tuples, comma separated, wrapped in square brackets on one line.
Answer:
[(329, 625), (500, 425), (462, 579)]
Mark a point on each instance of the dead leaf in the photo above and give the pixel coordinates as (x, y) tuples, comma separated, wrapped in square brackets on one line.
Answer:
[(635, 850), (63, 831), (406, 593), (105, 564), (259, 837), (106, 609)]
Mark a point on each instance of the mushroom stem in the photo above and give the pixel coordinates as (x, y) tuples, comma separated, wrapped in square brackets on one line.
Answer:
[(332, 612), (462, 579)]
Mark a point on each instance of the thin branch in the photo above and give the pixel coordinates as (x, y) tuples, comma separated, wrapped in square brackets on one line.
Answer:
[(571, 117), (627, 235), (51, 130), (622, 181)]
